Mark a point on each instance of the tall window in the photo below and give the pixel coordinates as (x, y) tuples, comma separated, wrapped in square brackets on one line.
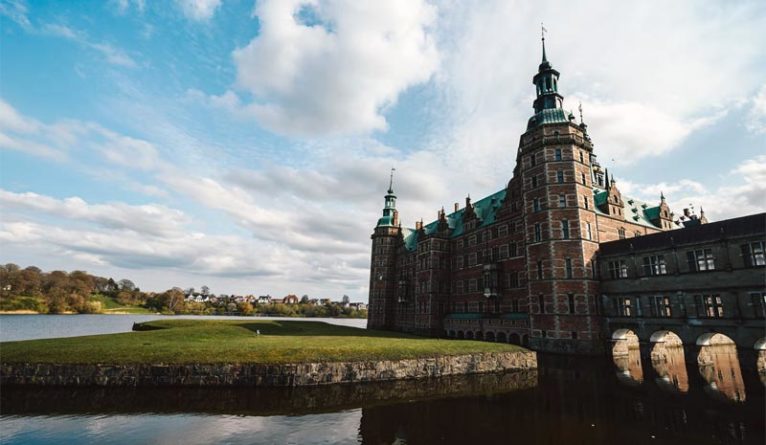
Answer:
[(562, 200), (621, 233), (710, 306), (472, 240), (661, 307), (557, 154), (536, 205), (700, 260), (502, 231), (459, 286), (512, 250), (582, 177), (581, 158), (534, 181), (587, 204), (571, 298), (539, 270), (655, 265), (758, 300), (559, 176), (564, 229), (588, 233), (459, 262), (568, 267), (504, 251), (513, 279), (624, 306), (538, 232), (533, 160), (472, 259), (618, 269), (753, 254), (541, 303), (472, 283)]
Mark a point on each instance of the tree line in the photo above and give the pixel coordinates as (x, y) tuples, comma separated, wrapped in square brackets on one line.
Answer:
[(57, 292)]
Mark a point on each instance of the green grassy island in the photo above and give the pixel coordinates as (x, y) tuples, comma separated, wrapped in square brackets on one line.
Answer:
[(238, 341)]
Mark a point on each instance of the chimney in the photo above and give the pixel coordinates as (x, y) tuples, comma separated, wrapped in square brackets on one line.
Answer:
[(418, 224), (457, 206), (468, 201), (687, 213)]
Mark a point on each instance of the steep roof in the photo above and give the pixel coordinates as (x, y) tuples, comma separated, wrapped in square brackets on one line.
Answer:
[(636, 211), (485, 210)]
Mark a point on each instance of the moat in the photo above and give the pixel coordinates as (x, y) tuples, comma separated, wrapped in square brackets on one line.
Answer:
[(588, 401)]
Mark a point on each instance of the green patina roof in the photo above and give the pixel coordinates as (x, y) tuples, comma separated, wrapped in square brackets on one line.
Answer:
[(548, 116), (484, 208), (635, 211)]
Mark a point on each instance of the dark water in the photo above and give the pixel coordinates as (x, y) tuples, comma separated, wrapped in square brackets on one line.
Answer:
[(657, 400)]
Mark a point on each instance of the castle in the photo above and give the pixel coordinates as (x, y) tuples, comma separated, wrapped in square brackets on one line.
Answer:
[(522, 265)]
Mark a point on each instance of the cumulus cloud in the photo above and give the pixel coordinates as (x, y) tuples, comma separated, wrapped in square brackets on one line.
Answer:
[(742, 194), (149, 219), (200, 10), (331, 66)]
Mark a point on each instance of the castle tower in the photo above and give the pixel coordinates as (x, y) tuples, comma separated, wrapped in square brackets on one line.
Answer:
[(383, 264), (553, 161)]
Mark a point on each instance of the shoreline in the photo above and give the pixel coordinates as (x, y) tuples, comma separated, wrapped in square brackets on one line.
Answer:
[(263, 374), (30, 312)]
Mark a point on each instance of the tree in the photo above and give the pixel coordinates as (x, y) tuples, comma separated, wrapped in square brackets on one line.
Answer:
[(305, 299), (205, 291), (346, 300), (127, 285)]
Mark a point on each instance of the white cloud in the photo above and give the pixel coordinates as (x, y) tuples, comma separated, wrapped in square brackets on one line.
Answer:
[(756, 118), (149, 219), (200, 10), (330, 67), (742, 194)]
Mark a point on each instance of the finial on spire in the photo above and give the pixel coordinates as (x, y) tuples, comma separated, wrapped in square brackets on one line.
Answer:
[(542, 34), (580, 108), (662, 196), (391, 181)]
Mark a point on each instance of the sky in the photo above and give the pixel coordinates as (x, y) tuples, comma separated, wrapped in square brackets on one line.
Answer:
[(247, 145)]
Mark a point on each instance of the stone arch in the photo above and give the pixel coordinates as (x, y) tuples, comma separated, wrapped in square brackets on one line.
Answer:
[(713, 339), (479, 335), (460, 334), (719, 366), (469, 335), (624, 340), (490, 336), (501, 337), (514, 339), (667, 357)]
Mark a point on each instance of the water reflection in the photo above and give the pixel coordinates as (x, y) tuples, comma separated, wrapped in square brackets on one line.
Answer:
[(570, 400), (719, 366), (669, 363)]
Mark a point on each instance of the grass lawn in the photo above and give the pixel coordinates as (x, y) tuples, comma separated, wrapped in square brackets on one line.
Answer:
[(236, 341)]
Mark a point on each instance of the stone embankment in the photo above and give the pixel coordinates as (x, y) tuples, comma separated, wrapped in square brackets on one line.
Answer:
[(301, 374)]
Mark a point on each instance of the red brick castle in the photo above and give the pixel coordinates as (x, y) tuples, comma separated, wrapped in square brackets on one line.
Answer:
[(519, 265)]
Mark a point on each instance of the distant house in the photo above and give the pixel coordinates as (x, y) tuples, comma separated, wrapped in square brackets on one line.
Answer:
[(264, 299), (358, 306), (313, 302), (325, 301), (290, 299)]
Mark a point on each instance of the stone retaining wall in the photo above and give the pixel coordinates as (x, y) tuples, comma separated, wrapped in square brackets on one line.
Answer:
[(304, 374)]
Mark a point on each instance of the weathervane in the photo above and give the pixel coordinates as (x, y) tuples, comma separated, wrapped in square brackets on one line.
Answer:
[(391, 180), (543, 30)]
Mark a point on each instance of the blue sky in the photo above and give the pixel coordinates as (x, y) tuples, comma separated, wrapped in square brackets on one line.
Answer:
[(246, 145)]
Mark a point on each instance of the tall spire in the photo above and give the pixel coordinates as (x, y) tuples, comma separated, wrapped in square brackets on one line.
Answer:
[(391, 181), (548, 102), (542, 33), (390, 214)]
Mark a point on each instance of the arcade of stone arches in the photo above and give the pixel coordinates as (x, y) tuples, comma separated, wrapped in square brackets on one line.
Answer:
[(716, 357)]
